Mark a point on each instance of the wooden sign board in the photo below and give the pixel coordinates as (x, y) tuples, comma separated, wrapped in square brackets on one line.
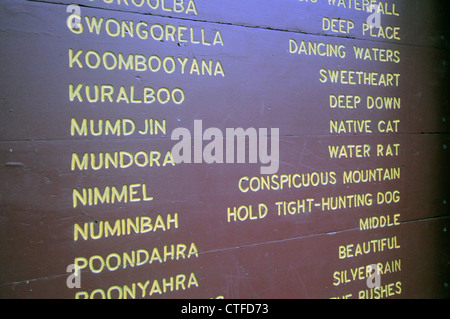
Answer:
[(354, 118)]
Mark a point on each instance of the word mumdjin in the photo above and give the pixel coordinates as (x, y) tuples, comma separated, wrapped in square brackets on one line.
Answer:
[(213, 152)]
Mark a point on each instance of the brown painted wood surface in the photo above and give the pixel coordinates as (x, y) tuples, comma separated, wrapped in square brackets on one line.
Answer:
[(265, 86)]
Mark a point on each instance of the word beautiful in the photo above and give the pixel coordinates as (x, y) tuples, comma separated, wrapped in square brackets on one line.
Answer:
[(213, 152)]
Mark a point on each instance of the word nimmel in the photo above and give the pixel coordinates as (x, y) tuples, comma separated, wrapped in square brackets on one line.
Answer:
[(213, 152)]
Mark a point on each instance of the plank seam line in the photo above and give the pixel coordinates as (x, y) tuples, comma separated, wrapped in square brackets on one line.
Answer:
[(162, 138)]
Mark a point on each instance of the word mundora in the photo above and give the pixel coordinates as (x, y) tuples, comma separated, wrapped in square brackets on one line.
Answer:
[(120, 159), (213, 152)]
